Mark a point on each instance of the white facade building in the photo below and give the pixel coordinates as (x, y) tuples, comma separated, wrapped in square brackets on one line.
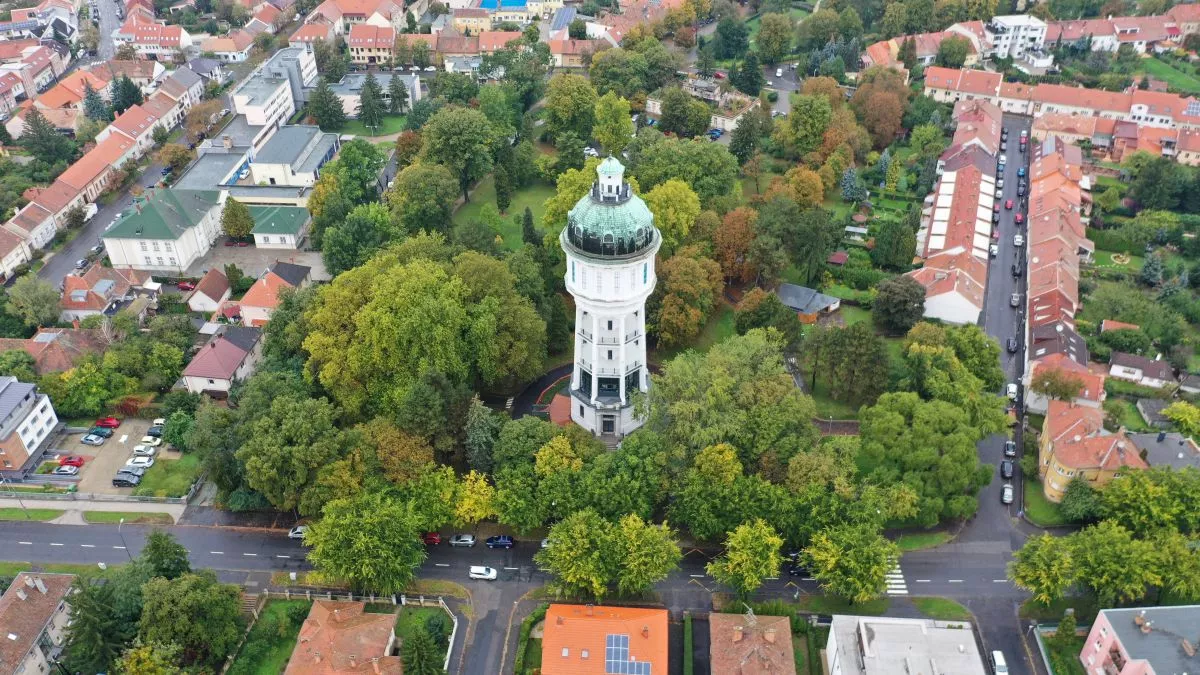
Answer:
[(1014, 35), (610, 242)]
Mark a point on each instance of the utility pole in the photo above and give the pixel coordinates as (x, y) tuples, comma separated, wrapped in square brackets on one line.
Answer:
[(24, 510), (123, 543)]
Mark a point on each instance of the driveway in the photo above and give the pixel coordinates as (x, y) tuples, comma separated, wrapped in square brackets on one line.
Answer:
[(107, 9), (253, 261)]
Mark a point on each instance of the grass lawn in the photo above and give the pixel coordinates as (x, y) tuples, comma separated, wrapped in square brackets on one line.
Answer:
[(828, 604), (44, 488), (1064, 654), (754, 24), (1130, 417), (1104, 259), (11, 569), (827, 408), (1171, 75), (169, 478), (413, 618), (534, 197), (718, 329), (1039, 509), (838, 207), (29, 514), (131, 517), (764, 180), (272, 660), (915, 541), (392, 124), (1085, 608), (942, 609), (853, 315)]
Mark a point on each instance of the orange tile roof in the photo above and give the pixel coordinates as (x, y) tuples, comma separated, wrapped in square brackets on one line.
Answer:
[(1081, 97), (311, 32), (1113, 324), (24, 618), (56, 349), (56, 197), (574, 637), (265, 291), (494, 40), (13, 49), (572, 47), (882, 53), (30, 217), (953, 271), (365, 36), (1093, 383), (159, 105), (9, 242), (134, 122), (735, 647), (1079, 441), (1185, 13), (1064, 123), (70, 90), (340, 637), (267, 13), (96, 162)]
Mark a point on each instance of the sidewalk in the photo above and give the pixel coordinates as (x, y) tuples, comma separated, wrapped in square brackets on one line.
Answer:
[(74, 510)]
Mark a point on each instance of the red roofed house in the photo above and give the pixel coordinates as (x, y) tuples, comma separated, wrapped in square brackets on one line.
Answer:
[(763, 646), (570, 53), (1111, 324), (491, 41), (152, 40), (91, 173), (98, 290), (1074, 444), (310, 33), (1186, 17), (341, 637), (260, 301), (228, 358), (1091, 394), (598, 639), (34, 615), (954, 282), (14, 252), (70, 90), (212, 290), (56, 349), (371, 44), (232, 48), (342, 14), (136, 124)]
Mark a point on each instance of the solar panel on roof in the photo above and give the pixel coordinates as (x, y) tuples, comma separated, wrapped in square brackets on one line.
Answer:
[(617, 660), (1193, 108)]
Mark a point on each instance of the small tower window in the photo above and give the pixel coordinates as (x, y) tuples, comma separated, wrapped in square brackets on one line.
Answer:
[(610, 355), (645, 273), (610, 325), (573, 272)]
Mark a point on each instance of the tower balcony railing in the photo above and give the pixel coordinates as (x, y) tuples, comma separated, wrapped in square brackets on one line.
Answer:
[(608, 341), (585, 333), (618, 371), (629, 337)]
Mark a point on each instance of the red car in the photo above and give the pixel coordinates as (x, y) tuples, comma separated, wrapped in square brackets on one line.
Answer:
[(186, 286), (1019, 219), (71, 460), (1008, 205), (719, 75), (431, 538), (108, 422)]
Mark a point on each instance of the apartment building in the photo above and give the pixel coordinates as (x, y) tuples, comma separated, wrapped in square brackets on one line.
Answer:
[(35, 614), (27, 419), (370, 45)]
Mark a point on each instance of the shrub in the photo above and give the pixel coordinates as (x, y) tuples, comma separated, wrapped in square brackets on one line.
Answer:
[(689, 666), (438, 627), (772, 96), (860, 278), (523, 640), (1116, 387)]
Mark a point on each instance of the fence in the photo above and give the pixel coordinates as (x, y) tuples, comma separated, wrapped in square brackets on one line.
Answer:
[(401, 600), (96, 496)]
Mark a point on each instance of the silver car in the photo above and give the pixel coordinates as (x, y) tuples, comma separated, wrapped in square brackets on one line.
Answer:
[(92, 439), (465, 540)]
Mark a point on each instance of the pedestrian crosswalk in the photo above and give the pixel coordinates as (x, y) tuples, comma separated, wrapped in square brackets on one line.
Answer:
[(895, 581)]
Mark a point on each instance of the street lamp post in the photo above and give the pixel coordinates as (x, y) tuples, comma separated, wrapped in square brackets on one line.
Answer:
[(123, 543), (24, 510)]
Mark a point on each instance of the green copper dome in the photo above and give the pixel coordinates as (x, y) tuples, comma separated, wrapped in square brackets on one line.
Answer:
[(610, 221)]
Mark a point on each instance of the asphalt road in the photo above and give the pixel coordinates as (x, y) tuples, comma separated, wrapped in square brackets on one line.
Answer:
[(107, 9)]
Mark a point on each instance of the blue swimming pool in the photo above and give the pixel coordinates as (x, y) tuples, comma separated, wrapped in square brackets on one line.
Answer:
[(506, 4)]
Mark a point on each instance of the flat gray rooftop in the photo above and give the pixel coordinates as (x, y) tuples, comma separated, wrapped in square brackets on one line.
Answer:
[(259, 87), (884, 646), (301, 147), (207, 172), (352, 83), (1160, 645)]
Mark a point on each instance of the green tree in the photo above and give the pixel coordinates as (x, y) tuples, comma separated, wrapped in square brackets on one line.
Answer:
[(19, 364), (423, 197), (708, 168), (102, 622), (732, 38), (613, 126), (43, 141), (459, 139), (752, 554), (570, 106), (94, 107), (808, 121), (371, 106), (899, 305), (953, 52), (1081, 501), (166, 557), (34, 300), (236, 221), (287, 446), (675, 207), (366, 229), (195, 612), (1043, 566), (851, 561), (149, 659), (370, 540), (749, 78), (1185, 415), (775, 32), (581, 554), (419, 654), (397, 96), (325, 107), (1056, 383), (125, 94), (1117, 567), (681, 115), (648, 553), (895, 244)]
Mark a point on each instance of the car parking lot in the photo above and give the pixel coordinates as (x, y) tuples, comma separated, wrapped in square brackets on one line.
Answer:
[(104, 461)]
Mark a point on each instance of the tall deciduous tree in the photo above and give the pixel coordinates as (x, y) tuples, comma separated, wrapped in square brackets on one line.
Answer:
[(691, 286), (570, 106), (348, 244), (459, 139), (751, 555), (166, 557), (287, 446), (580, 554), (647, 553), (1043, 567), (236, 221), (195, 612), (370, 540), (775, 33), (423, 197), (851, 561), (1056, 383), (675, 207), (899, 305), (613, 126), (34, 300), (732, 242), (683, 115)]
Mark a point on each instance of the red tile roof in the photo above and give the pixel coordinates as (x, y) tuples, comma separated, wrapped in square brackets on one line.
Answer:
[(311, 32), (364, 36), (96, 162), (56, 349), (340, 637), (265, 291), (1079, 441), (574, 637), (494, 40), (22, 619), (134, 122), (1113, 324)]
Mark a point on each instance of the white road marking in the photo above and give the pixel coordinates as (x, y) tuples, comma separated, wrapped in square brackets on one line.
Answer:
[(512, 568), (955, 581), (696, 576), (56, 544), (122, 548), (217, 552), (922, 581), (250, 554), (27, 543), (124, 437), (772, 578), (441, 565), (283, 556), (88, 545), (999, 581), (895, 581), (807, 579)]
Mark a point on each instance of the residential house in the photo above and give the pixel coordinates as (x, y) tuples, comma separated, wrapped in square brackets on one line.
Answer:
[(492, 41), (165, 109), (571, 53), (310, 33), (1186, 18), (1141, 370), (136, 124), (560, 23), (35, 614), (869, 645), (342, 637), (12, 91), (1142, 641), (344, 14), (1014, 36), (210, 70), (268, 17), (145, 74), (232, 48), (954, 282), (1091, 390), (279, 226), (27, 420), (471, 20), (228, 358), (166, 230), (103, 290), (1151, 410), (64, 120), (293, 155), (54, 350), (257, 305), (1171, 449), (349, 89), (739, 643), (808, 303), (212, 290), (1190, 383), (887, 52), (153, 40), (70, 90), (1074, 444), (586, 639), (184, 86), (90, 175), (370, 45)]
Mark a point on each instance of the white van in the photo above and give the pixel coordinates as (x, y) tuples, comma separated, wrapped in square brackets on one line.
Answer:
[(779, 72), (999, 667)]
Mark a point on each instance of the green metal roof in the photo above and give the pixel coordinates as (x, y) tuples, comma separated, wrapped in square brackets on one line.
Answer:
[(608, 224), (278, 219), (164, 214)]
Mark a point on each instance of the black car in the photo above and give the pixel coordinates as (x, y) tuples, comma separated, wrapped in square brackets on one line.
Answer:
[(102, 432), (122, 480), (1013, 345), (1016, 270), (155, 431), (500, 541), (1006, 469)]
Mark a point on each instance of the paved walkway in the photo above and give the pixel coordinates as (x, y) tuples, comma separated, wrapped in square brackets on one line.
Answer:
[(74, 510)]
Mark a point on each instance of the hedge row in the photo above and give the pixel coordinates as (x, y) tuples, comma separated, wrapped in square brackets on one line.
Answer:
[(523, 641)]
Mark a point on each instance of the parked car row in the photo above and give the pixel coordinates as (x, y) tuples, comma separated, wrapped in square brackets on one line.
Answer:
[(130, 475)]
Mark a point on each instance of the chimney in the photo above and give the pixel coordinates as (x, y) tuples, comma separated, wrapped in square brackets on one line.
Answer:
[(353, 661), (559, 620), (587, 610), (227, 141), (37, 581), (21, 594), (769, 635), (29, 581), (737, 634), (646, 631), (375, 664)]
